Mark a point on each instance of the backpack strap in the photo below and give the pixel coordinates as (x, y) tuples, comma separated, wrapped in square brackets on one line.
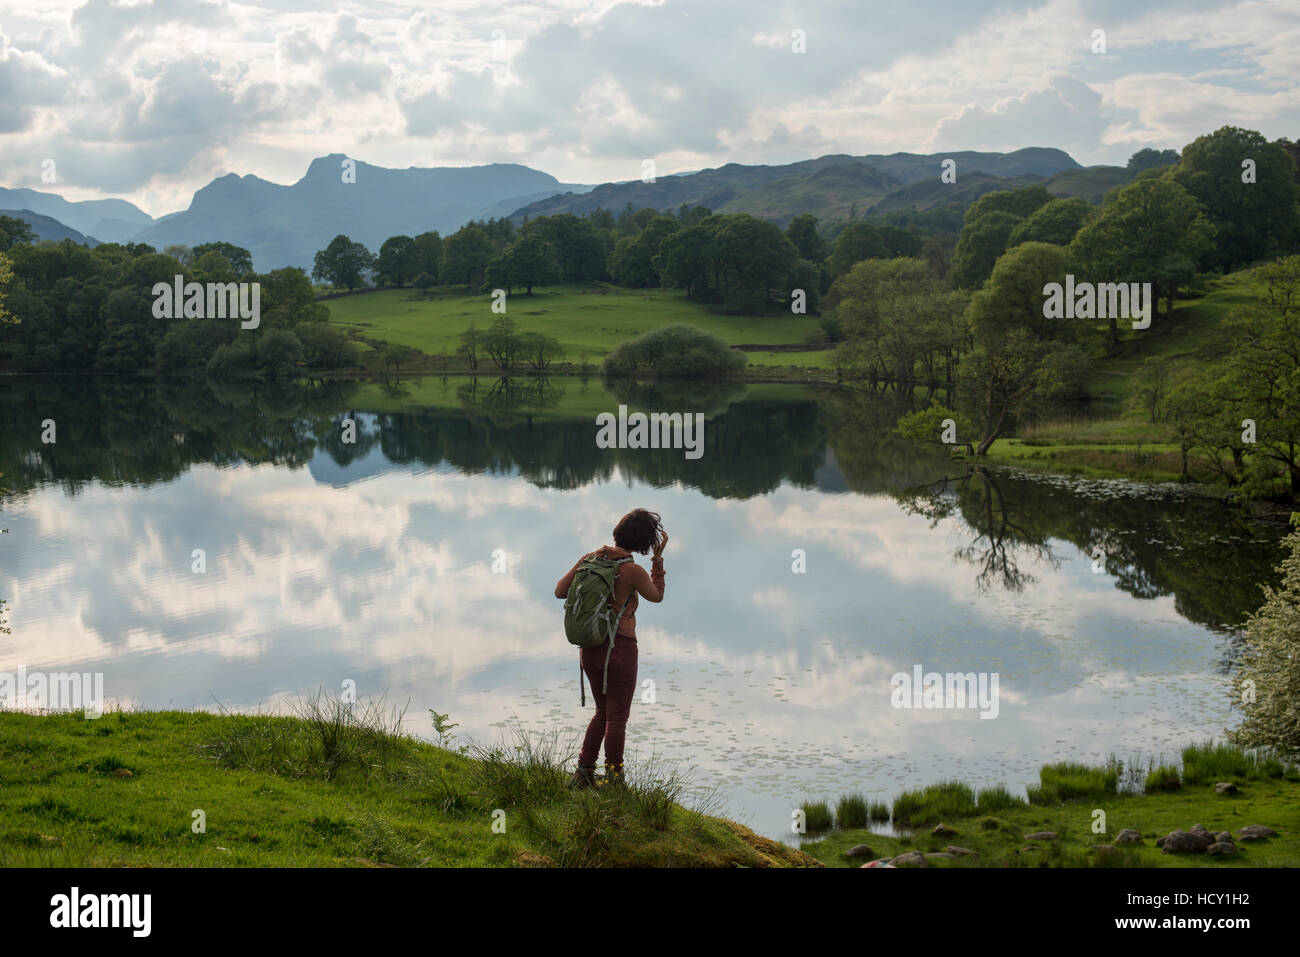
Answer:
[(618, 620)]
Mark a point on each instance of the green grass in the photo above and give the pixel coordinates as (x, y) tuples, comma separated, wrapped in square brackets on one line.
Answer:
[(1163, 778), (1210, 763), (817, 816), (593, 317), (934, 804), (1000, 838), (851, 811), (332, 788)]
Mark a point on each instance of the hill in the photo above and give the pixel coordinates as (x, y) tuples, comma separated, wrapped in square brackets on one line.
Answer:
[(285, 225), (827, 186), (47, 227), (111, 220)]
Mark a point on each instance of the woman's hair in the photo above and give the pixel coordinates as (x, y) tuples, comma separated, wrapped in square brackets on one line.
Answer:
[(638, 531)]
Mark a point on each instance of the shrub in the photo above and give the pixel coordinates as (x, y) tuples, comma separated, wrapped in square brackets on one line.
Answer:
[(674, 350)]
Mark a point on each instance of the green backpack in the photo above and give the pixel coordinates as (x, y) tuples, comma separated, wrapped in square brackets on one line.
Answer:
[(589, 619)]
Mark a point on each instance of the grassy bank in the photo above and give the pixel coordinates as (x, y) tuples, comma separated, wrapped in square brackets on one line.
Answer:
[(588, 319), (331, 788), (1001, 829)]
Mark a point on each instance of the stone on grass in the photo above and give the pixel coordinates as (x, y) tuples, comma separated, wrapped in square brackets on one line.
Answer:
[(1041, 836), (1128, 836), (943, 830), (1222, 847), (859, 850), (910, 859), (956, 851), (1225, 787), (1255, 832)]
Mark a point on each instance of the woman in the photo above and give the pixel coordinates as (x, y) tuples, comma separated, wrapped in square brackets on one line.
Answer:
[(637, 531)]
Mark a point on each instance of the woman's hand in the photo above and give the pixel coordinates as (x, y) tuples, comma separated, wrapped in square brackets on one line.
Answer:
[(661, 545)]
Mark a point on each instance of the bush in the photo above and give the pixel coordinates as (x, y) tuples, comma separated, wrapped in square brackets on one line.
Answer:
[(674, 350)]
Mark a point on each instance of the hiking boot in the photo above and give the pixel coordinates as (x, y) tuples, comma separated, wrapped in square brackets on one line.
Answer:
[(614, 776), (583, 778)]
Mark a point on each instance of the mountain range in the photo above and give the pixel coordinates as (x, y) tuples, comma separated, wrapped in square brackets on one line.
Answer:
[(285, 225)]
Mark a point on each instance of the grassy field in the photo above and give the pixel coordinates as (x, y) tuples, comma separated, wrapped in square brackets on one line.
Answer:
[(996, 825), (328, 790), (591, 318)]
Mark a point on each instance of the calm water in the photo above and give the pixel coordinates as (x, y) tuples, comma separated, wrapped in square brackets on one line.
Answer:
[(373, 562)]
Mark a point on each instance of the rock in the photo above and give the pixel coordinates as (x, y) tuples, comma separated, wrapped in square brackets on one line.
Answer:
[(1222, 847), (943, 830), (883, 862), (123, 773), (1104, 850), (1255, 832), (1041, 836), (910, 859), (1160, 841), (1029, 847), (1223, 837), (859, 850), (1184, 842), (956, 851), (1128, 836), (940, 855), (1199, 829), (1225, 787)]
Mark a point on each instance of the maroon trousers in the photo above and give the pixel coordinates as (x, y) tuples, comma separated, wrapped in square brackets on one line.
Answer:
[(612, 706)]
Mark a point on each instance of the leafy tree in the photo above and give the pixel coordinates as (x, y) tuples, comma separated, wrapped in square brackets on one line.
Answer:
[(240, 259), (6, 275), (631, 263), (343, 263), (1150, 159), (1151, 230), (398, 262), (1252, 219), (501, 342), (582, 247), (1056, 223), (802, 231), (471, 345), (428, 251), (871, 240), (539, 350), (465, 256), (674, 350), (1023, 358), (14, 231), (1271, 664), (681, 260), (979, 246), (533, 262)]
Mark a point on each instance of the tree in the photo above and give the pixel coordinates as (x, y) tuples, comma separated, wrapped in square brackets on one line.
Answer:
[(677, 349), (501, 342), (240, 259), (1271, 664), (14, 231), (343, 263), (582, 247), (871, 240), (1252, 219), (533, 262), (631, 263), (539, 350), (1023, 357), (680, 261), (1151, 230), (398, 262), (465, 255), (428, 253), (986, 231), (1057, 223), (471, 344), (1150, 159), (6, 275), (802, 231)]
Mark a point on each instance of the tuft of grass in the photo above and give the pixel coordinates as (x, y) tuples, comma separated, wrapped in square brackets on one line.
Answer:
[(879, 811), (852, 811), (1163, 778), (934, 803), (817, 816), (997, 798), (1073, 781)]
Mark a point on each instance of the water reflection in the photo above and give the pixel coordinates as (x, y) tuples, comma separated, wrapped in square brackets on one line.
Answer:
[(372, 560)]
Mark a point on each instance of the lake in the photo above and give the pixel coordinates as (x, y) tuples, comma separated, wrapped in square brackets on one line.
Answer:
[(814, 556)]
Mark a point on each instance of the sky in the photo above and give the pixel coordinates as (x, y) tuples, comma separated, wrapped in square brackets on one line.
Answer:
[(150, 100)]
